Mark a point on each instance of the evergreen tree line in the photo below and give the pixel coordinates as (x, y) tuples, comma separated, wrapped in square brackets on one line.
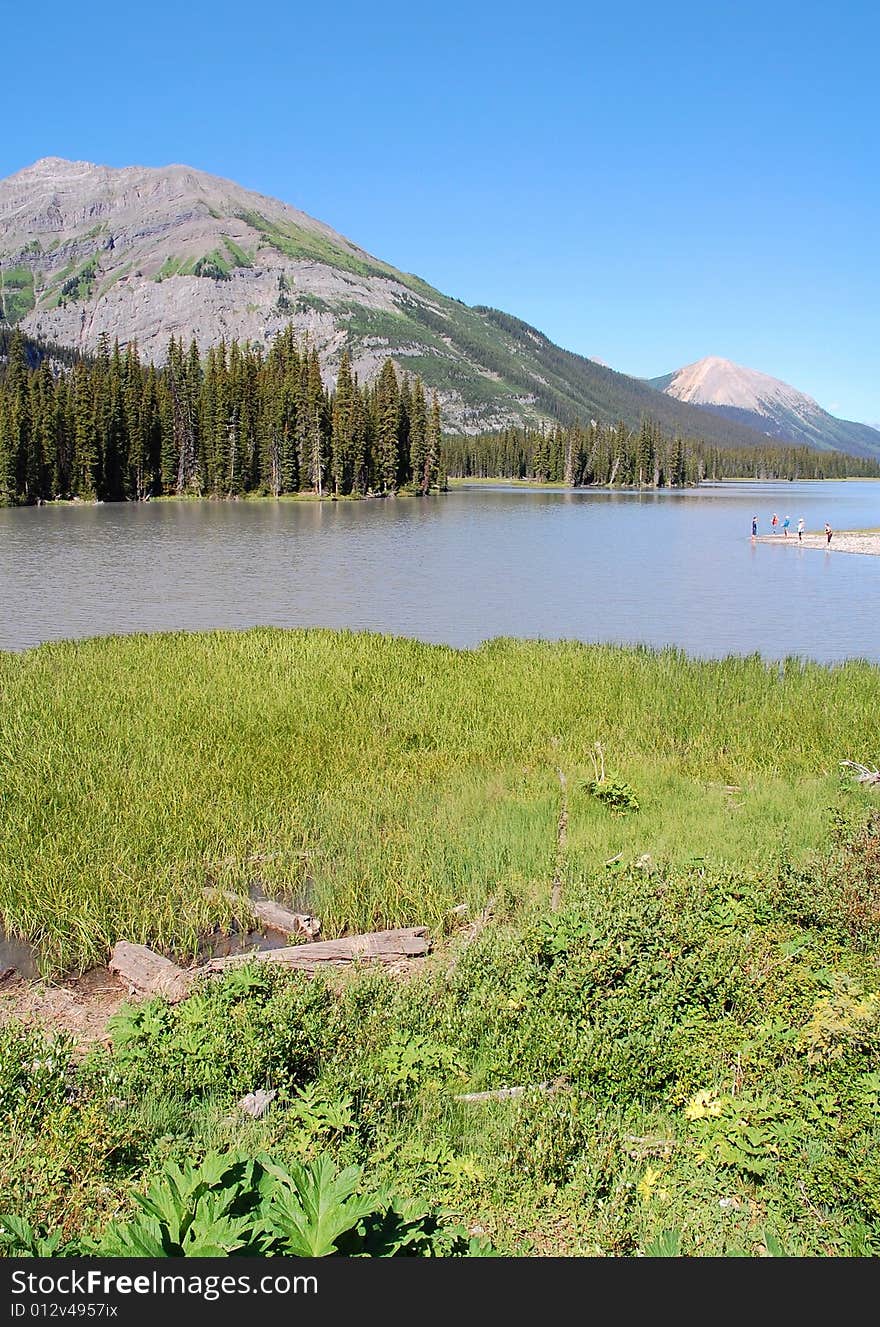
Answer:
[(236, 420), (612, 454)]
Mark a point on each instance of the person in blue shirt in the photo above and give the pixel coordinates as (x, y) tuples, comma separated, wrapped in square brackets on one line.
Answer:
[(754, 526), (785, 524)]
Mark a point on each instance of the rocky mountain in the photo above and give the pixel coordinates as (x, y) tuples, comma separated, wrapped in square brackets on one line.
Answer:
[(144, 254), (758, 401)]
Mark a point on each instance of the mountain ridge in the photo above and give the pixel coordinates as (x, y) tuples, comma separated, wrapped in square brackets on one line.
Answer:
[(143, 253), (757, 400)]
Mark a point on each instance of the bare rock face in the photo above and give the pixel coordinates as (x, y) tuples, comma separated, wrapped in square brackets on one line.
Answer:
[(143, 254)]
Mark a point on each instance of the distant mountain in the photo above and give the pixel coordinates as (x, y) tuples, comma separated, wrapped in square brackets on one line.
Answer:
[(760, 402), (144, 254)]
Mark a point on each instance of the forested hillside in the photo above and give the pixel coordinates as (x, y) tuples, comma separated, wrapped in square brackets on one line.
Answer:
[(143, 255), (234, 421)]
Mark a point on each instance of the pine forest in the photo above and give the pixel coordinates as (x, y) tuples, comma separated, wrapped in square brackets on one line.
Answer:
[(239, 420)]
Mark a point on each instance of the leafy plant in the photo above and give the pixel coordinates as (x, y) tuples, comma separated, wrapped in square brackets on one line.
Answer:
[(233, 1206), (209, 1211), (407, 1060), (742, 1134), (665, 1245), (20, 1240), (847, 1020), (615, 793), (249, 1027), (321, 1118), (313, 1206)]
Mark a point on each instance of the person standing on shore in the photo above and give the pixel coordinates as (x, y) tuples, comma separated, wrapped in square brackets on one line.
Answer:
[(774, 521), (785, 524), (828, 533), (754, 526), (801, 530)]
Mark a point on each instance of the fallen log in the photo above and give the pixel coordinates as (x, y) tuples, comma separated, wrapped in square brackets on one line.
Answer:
[(277, 918), (273, 916), (377, 946), (147, 973)]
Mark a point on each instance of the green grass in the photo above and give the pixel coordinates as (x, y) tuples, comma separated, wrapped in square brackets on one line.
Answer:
[(170, 267), (382, 781), (217, 263), (303, 303), (296, 242), (705, 1000), (712, 1039), (117, 276), (239, 257), (71, 284)]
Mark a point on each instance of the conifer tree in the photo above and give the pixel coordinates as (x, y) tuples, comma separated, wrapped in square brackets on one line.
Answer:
[(315, 426), (418, 431), (387, 429), (433, 435), (343, 429)]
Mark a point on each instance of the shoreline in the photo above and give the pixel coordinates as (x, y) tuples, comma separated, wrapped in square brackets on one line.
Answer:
[(303, 495), (866, 542)]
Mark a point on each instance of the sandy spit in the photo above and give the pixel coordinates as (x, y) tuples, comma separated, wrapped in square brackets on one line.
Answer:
[(842, 541)]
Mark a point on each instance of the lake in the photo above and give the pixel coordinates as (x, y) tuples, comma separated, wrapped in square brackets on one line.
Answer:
[(667, 568)]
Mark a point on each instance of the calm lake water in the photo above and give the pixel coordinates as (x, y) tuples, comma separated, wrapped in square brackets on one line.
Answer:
[(665, 568)]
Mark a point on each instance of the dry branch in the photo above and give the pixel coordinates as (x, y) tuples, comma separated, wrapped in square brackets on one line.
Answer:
[(505, 1093), (864, 773), (147, 973), (257, 1103), (276, 918)]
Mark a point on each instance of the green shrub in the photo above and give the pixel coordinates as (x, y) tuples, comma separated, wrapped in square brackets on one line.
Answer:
[(254, 1027), (35, 1073), (616, 794)]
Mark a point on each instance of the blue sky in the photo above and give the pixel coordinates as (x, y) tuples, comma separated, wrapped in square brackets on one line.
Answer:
[(646, 183)]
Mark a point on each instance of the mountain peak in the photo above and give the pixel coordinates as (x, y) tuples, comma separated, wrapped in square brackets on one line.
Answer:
[(768, 404), (720, 382)]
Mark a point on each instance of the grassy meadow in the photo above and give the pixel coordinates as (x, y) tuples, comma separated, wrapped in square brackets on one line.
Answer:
[(380, 781), (696, 1025)]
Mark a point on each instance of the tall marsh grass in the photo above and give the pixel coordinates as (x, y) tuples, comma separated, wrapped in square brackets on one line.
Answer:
[(381, 781)]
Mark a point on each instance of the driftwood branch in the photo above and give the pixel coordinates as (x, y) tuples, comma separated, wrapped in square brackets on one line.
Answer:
[(147, 973), (377, 946), (277, 918), (257, 1103), (651, 1145), (863, 773)]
